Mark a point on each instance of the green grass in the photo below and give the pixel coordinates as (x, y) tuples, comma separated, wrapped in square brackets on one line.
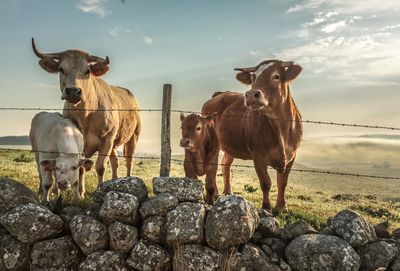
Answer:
[(312, 197)]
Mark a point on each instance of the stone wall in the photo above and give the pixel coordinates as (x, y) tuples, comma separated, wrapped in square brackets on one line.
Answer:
[(176, 230)]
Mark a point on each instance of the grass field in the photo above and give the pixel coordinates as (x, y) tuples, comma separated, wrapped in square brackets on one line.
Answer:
[(310, 196)]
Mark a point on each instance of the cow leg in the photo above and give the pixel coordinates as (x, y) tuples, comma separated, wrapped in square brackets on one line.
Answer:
[(81, 182), (101, 162), (226, 172), (211, 184), (47, 181), (75, 189), (129, 150), (281, 181), (114, 163), (265, 183)]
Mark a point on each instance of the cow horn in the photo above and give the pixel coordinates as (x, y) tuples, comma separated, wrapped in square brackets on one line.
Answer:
[(99, 59), (248, 69), (41, 55), (286, 63)]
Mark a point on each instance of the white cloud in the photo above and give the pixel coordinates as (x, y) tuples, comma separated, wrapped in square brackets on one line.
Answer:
[(253, 53), (118, 30), (45, 86), (329, 28), (93, 6), (148, 40)]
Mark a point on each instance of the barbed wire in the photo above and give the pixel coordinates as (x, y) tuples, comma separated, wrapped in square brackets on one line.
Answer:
[(326, 172), (355, 125)]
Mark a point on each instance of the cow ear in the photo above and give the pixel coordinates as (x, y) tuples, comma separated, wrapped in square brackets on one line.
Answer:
[(211, 119), (292, 72), (86, 163), (49, 64), (182, 116), (48, 165), (244, 77), (98, 69)]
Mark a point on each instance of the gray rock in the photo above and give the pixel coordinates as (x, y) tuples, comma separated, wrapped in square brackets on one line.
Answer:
[(395, 266), (104, 261), (300, 227), (148, 256), (185, 224), (153, 229), (12, 193), (71, 211), (158, 205), (252, 258), (396, 234), (376, 255), (269, 226), (382, 230), (131, 185), (14, 255), (118, 206), (194, 257), (185, 189), (257, 237), (123, 237), (271, 255), (88, 233), (276, 244), (56, 254), (321, 252), (242, 217), (30, 223), (353, 228)]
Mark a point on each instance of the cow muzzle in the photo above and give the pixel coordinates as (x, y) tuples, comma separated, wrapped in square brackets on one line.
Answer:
[(255, 100), (186, 143), (72, 95), (63, 184)]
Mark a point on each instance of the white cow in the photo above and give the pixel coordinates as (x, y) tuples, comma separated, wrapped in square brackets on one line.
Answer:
[(57, 143)]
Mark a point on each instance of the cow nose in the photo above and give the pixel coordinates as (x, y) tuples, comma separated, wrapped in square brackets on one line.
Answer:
[(185, 142), (253, 94), (73, 91)]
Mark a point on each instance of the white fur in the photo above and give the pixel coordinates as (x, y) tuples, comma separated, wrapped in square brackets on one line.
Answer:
[(50, 132), (262, 68)]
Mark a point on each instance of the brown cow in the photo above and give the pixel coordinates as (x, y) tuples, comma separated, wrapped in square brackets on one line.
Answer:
[(201, 151), (88, 102), (263, 125)]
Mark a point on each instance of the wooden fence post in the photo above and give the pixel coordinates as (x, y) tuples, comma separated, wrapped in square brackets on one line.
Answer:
[(166, 131)]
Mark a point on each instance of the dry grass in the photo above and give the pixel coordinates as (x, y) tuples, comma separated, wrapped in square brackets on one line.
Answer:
[(312, 197)]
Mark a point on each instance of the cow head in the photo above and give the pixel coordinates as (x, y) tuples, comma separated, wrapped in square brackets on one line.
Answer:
[(194, 130), (66, 169), (75, 68), (269, 83)]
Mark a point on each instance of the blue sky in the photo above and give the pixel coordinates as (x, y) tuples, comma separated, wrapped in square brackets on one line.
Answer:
[(349, 51)]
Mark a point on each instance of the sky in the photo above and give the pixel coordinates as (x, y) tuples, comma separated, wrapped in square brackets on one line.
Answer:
[(349, 51)]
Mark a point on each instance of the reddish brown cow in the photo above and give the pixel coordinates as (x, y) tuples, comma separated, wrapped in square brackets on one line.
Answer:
[(201, 151), (263, 125)]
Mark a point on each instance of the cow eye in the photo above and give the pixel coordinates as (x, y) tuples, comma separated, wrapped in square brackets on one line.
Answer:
[(74, 168), (198, 128), (276, 77), (61, 70)]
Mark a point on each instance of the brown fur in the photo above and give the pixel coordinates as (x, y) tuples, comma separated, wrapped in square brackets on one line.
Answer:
[(201, 151), (264, 135), (103, 131)]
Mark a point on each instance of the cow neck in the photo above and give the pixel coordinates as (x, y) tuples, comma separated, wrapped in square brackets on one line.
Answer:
[(206, 148), (284, 122)]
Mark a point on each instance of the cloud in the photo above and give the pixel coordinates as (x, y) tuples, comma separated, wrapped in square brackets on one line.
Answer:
[(118, 30), (329, 28), (93, 6), (45, 86), (148, 40)]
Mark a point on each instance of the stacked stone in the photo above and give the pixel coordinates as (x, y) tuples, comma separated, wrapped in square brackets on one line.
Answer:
[(175, 230)]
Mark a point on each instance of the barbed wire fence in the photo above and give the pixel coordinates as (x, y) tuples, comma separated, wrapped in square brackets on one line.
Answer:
[(165, 157)]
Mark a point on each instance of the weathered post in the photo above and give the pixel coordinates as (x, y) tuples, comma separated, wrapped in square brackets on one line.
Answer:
[(166, 131)]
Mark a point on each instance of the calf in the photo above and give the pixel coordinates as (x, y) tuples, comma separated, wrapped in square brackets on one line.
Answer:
[(57, 143), (200, 142)]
